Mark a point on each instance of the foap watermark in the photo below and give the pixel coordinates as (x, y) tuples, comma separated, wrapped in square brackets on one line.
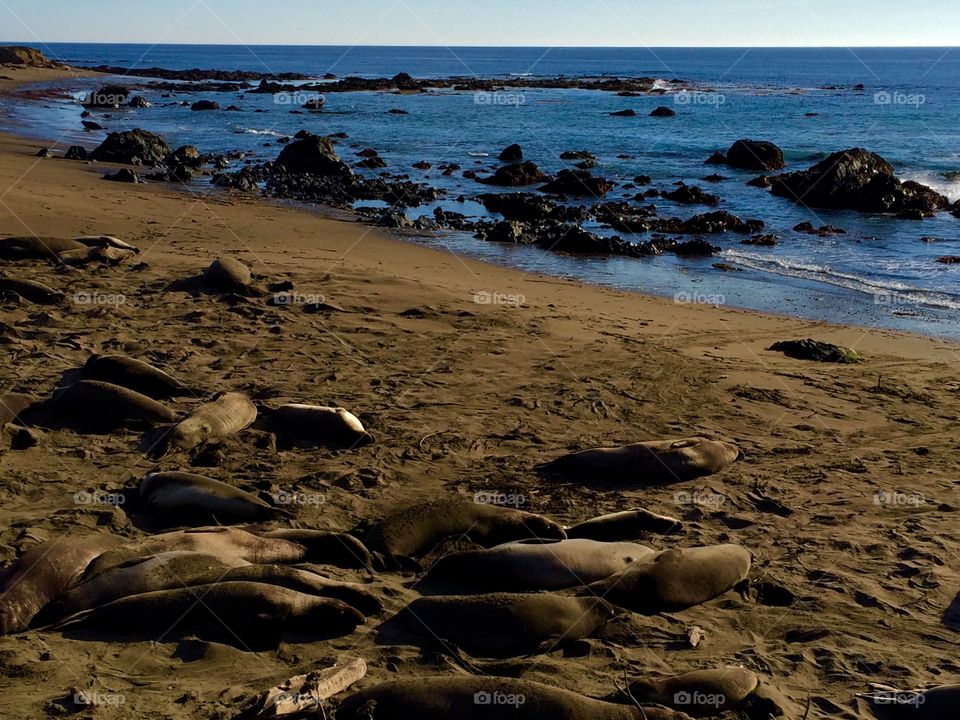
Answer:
[(99, 497), (486, 497), (696, 97), (300, 299), (499, 699), (95, 297), (699, 298), (699, 699), (296, 98), (897, 498), (295, 497), (700, 498), (905, 698), (499, 99), (888, 297), (485, 297), (91, 698), (896, 98)]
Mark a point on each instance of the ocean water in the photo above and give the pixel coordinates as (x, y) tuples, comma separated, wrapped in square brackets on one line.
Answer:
[(882, 273)]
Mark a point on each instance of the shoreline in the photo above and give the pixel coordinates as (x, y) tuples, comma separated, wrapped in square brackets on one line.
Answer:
[(466, 397)]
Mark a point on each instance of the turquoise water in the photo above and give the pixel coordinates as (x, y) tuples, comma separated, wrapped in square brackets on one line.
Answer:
[(880, 274)]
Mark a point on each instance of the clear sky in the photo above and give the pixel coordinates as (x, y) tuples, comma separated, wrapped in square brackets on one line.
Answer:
[(638, 23)]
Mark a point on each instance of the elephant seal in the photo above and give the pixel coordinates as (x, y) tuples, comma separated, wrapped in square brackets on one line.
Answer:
[(135, 375), (43, 573), (31, 291), (95, 406), (503, 624), (483, 698), (702, 692), (225, 416), (182, 568), (36, 248), (658, 462), (533, 566), (227, 274), (675, 579), (411, 531), (321, 425), (934, 703), (325, 548), (625, 525), (228, 544), (245, 614), (196, 498), (106, 241)]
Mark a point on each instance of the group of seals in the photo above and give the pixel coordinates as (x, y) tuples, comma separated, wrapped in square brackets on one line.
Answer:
[(134, 374), (30, 290), (657, 462), (64, 251), (95, 406)]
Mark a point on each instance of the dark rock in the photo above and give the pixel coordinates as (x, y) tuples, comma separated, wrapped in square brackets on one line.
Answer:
[(91, 125), (202, 105), (714, 178), (368, 153), (697, 247), (579, 183), (857, 180), (949, 259), (718, 158), (577, 155), (397, 111), (393, 219), (809, 229), (138, 102), (508, 231), (515, 175), (314, 104), (761, 240), (422, 165), (22, 55), (186, 155), (372, 163), (125, 176), (763, 181), (624, 113), (818, 351), (311, 154), (133, 147), (691, 195), (76, 152), (519, 206), (643, 180), (44, 153), (662, 111), (711, 223), (755, 155), (588, 164), (511, 154)]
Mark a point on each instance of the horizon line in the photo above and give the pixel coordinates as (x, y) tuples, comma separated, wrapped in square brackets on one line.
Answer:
[(451, 47)]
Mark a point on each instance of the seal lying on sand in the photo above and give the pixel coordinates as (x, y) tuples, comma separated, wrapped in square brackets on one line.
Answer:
[(625, 525), (133, 374), (228, 544), (94, 406), (41, 574), (526, 566), (319, 425), (936, 703), (195, 499), (31, 291), (36, 248), (227, 415), (414, 530), (502, 624), (713, 690), (106, 241), (657, 462), (325, 548), (227, 274), (244, 614), (177, 569), (675, 579), (484, 698)]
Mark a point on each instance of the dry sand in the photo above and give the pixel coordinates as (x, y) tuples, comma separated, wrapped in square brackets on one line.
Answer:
[(467, 397)]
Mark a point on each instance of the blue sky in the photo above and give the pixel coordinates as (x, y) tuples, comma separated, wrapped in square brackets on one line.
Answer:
[(637, 23)]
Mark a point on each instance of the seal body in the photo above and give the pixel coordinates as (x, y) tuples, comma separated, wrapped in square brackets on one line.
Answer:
[(675, 579), (505, 624), (227, 274), (92, 405), (228, 544), (326, 548), (36, 248), (482, 698), (238, 613), (106, 241), (133, 374), (657, 462), (43, 573), (523, 566), (227, 415), (196, 497), (30, 290), (322, 425), (717, 689), (625, 525), (411, 531)]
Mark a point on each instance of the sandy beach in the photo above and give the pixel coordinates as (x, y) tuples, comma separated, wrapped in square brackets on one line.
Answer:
[(468, 375)]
